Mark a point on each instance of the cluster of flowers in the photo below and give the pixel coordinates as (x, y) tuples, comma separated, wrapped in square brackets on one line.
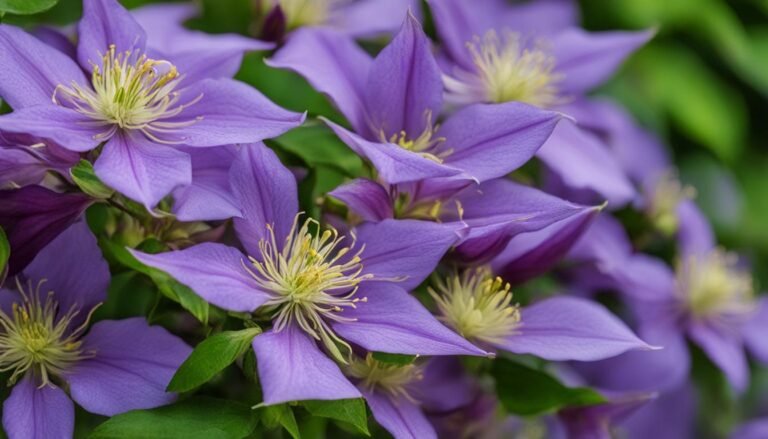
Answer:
[(150, 109)]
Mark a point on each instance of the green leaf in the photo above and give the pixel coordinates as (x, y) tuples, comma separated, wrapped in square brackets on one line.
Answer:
[(85, 178), (5, 254), (400, 359), (280, 415), (351, 411), (526, 391), (201, 417), (25, 7), (317, 145), (210, 357)]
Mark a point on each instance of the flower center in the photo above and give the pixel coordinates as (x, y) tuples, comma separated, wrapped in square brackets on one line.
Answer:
[(35, 337), (391, 378), (713, 285), (313, 278), (130, 92), (667, 194), (477, 305), (427, 144), (305, 12), (506, 70)]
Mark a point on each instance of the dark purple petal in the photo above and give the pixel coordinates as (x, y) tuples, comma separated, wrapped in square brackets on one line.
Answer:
[(725, 348), (391, 320), (584, 163), (588, 59), (399, 416), (64, 126), (213, 271), (334, 65), (695, 235), (405, 249), (490, 141), (445, 385), (266, 193), (531, 254), (405, 88), (755, 330), (33, 216), (20, 168), (132, 366), (30, 70), (599, 421), (365, 198), (106, 22), (73, 268), (570, 328), (292, 368), (393, 163), (141, 169), (210, 196), (33, 412)]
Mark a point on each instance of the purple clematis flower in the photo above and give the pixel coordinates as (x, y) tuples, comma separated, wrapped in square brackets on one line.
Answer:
[(535, 53), (322, 294), (479, 307), (392, 103), (25, 160), (140, 102), (113, 367)]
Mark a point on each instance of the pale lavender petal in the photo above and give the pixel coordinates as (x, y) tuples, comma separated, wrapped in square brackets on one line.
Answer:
[(106, 22), (588, 59), (393, 163), (490, 141), (407, 250), (266, 193), (445, 386), (30, 70), (210, 196), (570, 328), (292, 368), (132, 366), (334, 65), (405, 88), (540, 17), (33, 412), (391, 320), (213, 271), (369, 18), (755, 429), (73, 267), (583, 162), (229, 112), (458, 21), (141, 169), (670, 416), (64, 126), (755, 330), (365, 198), (162, 22), (399, 416), (725, 348), (57, 38), (695, 235)]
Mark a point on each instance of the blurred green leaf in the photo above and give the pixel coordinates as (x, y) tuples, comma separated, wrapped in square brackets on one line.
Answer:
[(210, 357), (399, 359), (351, 411), (88, 182), (280, 415), (526, 391), (200, 417), (5, 254), (316, 144), (25, 7), (129, 295)]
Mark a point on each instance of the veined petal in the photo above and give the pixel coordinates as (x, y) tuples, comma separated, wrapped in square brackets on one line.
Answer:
[(365, 198), (210, 196), (106, 22), (401, 417), (64, 126), (33, 412)]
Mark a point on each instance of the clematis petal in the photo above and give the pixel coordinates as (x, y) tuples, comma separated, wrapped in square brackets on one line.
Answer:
[(670, 416), (33, 412), (371, 18), (588, 59), (266, 193), (393, 163), (213, 271), (334, 65), (142, 170), (366, 198), (570, 328), (292, 368), (401, 417), (407, 250), (725, 349), (106, 22), (755, 329), (490, 141), (405, 87), (30, 70), (132, 365), (73, 268), (391, 320), (755, 429), (209, 196), (66, 127), (695, 235)]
